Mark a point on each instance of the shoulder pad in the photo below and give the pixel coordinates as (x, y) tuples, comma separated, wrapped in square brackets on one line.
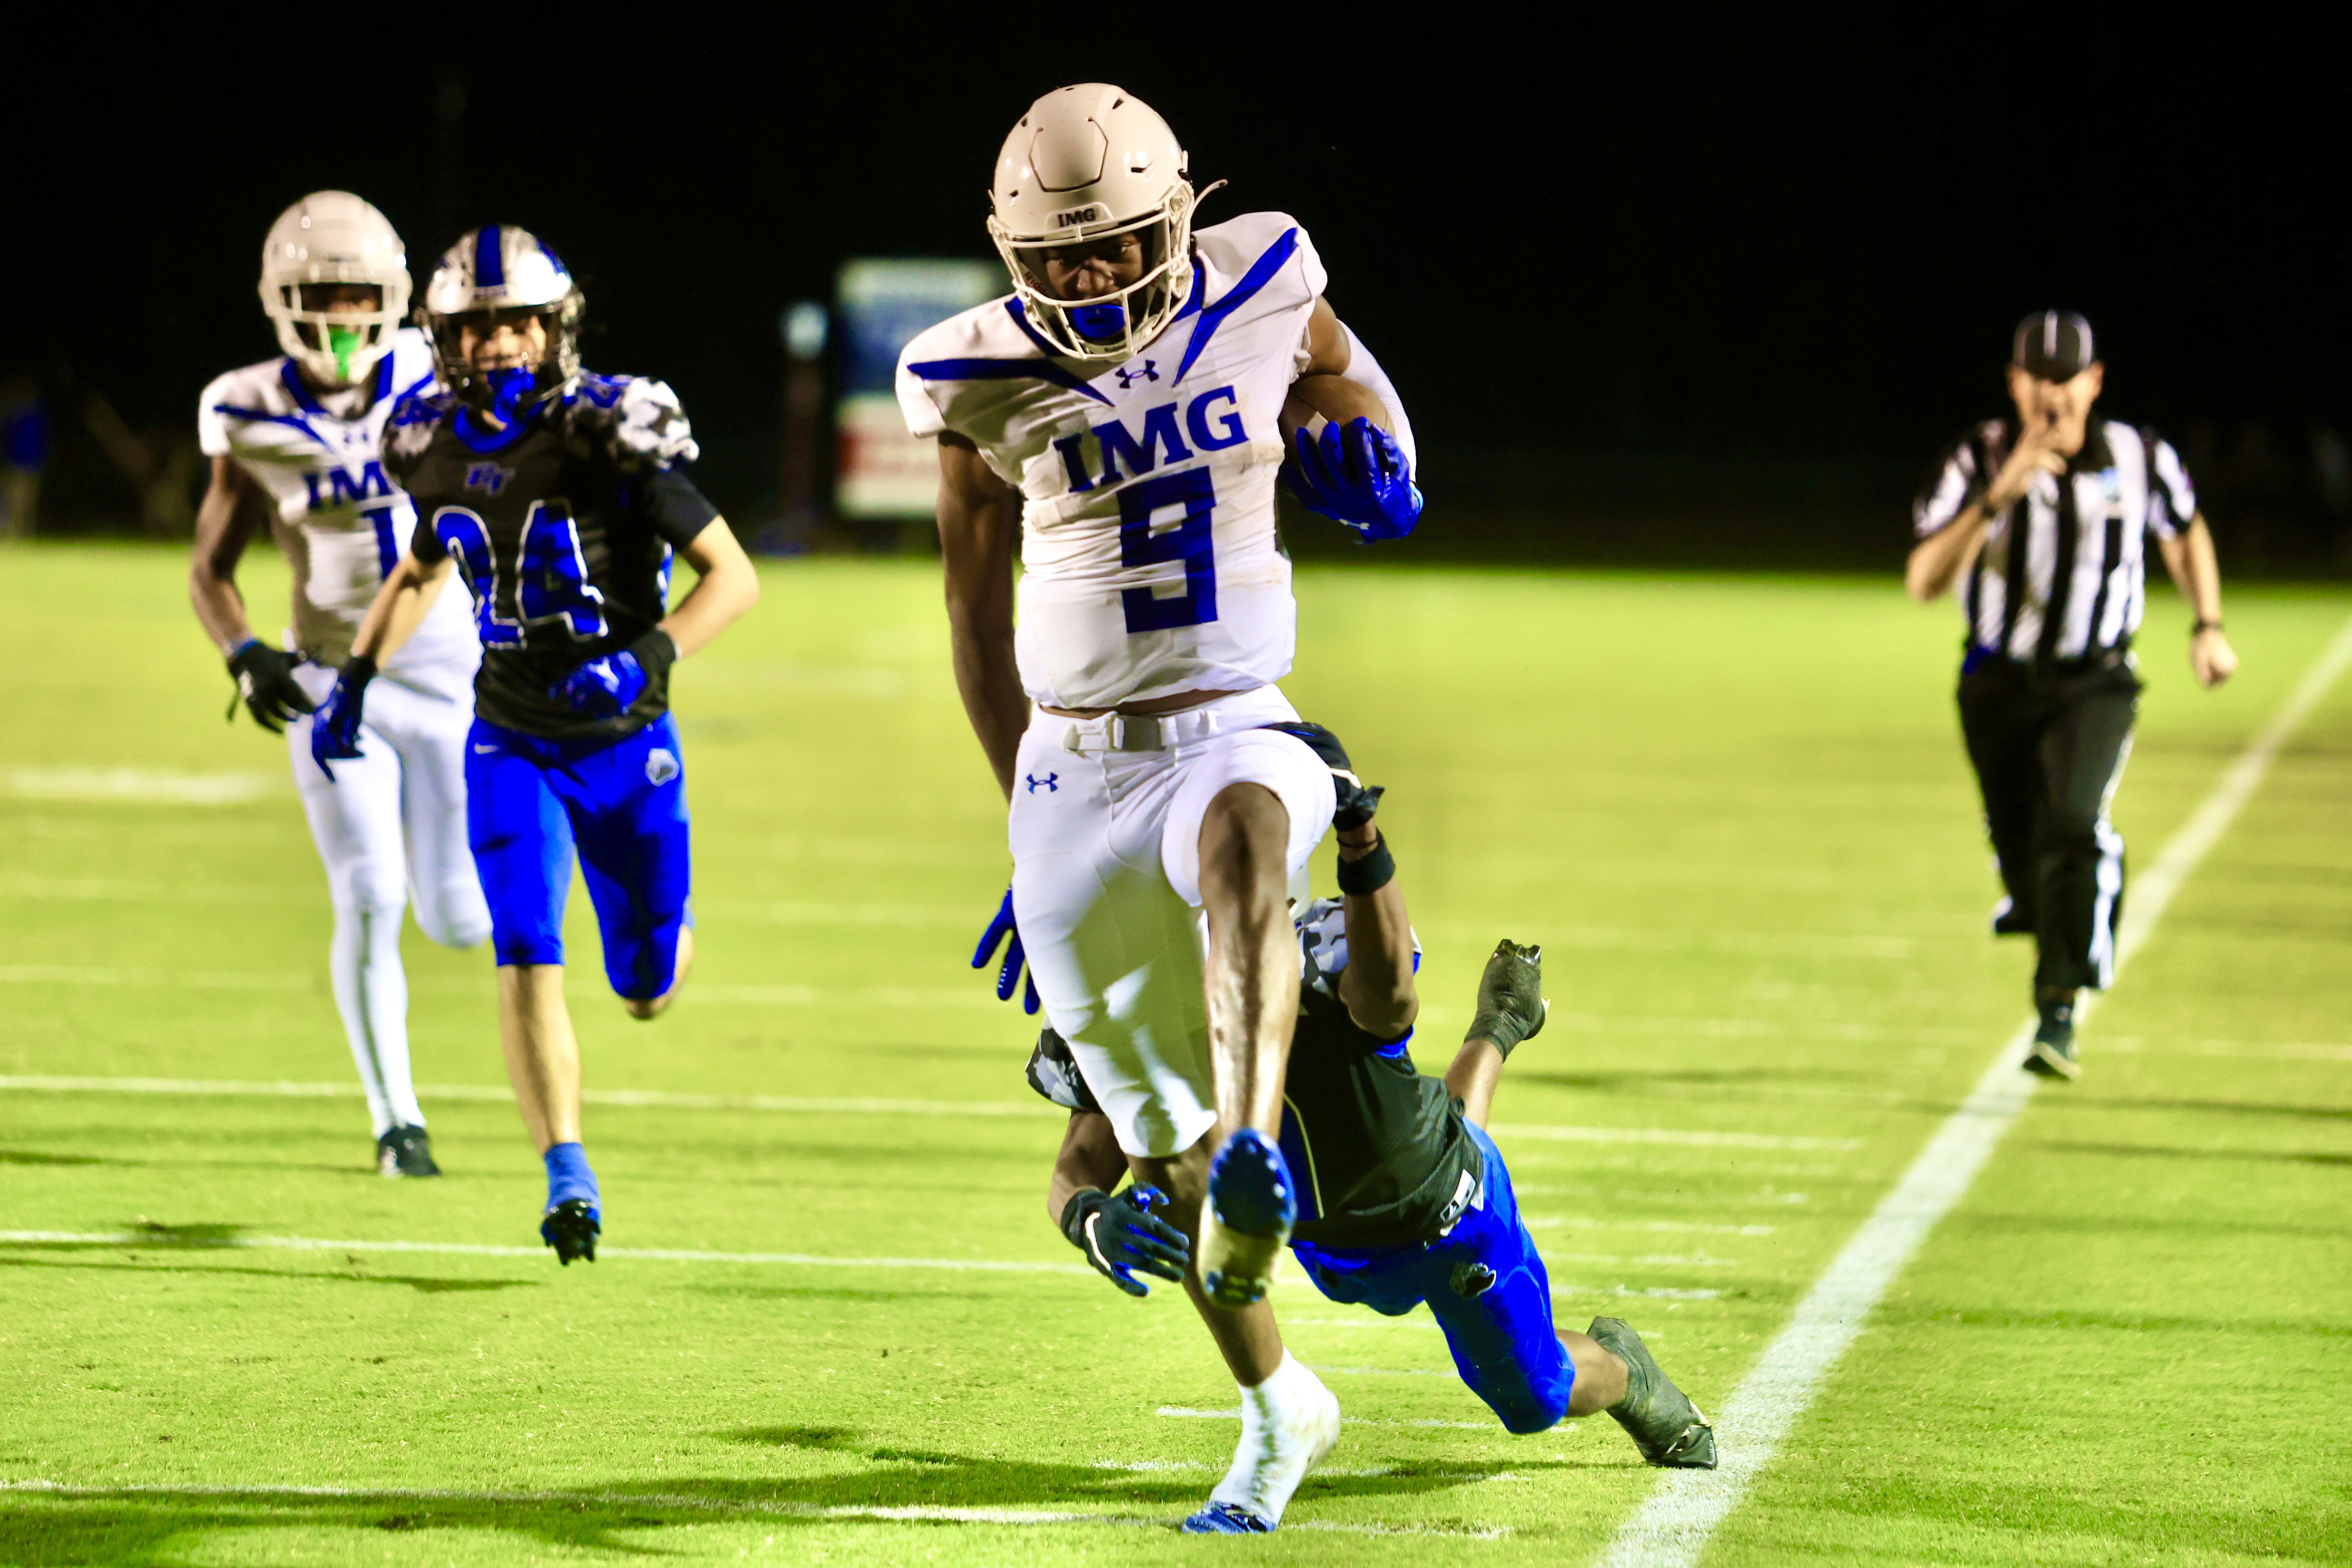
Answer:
[(416, 420), (1239, 243), (635, 420)]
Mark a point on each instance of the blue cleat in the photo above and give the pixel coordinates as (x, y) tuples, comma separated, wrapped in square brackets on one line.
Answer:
[(1246, 1220), (1226, 1519), (572, 1220)]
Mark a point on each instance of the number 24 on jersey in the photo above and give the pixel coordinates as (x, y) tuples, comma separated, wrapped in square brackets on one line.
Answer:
[(546, 581)]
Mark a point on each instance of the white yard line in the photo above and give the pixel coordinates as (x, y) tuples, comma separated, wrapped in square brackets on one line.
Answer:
[(1674, 1527), (166, 1241), (662, 1099), (915, 1514)]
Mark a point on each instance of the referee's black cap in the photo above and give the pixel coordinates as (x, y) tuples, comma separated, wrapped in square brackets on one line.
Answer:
[(2052, 345)]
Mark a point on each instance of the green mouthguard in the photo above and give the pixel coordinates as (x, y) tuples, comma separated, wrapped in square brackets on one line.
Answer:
[(343, 343)]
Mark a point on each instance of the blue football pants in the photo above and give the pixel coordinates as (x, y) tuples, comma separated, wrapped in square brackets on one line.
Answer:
[(1487, 1287), (621, 804)]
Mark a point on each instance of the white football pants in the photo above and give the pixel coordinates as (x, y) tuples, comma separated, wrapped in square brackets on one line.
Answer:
[(1107, 885), (389, 823)]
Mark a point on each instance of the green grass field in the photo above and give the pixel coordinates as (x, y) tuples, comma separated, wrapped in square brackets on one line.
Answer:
[(1734, 811)]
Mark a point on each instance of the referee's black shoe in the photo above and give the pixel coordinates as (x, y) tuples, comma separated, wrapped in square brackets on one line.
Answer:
[(2054, 1039)]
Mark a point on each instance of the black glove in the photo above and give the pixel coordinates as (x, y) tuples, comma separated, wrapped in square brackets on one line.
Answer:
[(1511, 1006), (265, 682), (1356, 802), (1119, 1234)]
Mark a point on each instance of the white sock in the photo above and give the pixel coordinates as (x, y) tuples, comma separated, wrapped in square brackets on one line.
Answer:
[(371, 994), (1289, 1422)]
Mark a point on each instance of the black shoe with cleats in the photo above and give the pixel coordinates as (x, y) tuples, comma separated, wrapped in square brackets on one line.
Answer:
[(1660, 1419), (406, 1152), (572, 1228), (2054, 1040)]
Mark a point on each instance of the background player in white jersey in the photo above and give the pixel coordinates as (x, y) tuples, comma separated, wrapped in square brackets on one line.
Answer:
[(296, 444), (1120, 417)]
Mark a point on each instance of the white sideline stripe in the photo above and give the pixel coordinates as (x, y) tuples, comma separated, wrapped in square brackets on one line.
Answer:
[(641, 1097), (1674, 1526), (721, 995), (142, 786), (921, 1513), (166, 1242), (1699, 1140), (667, 1100)]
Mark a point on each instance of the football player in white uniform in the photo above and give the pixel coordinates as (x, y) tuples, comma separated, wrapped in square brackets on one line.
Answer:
[(297, 453), (1122, 419)]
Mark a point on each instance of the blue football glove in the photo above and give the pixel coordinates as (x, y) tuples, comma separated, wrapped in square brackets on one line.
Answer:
[(998, 930), (604, 685), (611, 685), (1121, 1233), (1356, 474), (335, 728)]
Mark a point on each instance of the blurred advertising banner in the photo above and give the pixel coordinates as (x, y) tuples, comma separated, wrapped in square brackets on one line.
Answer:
[(883, 471)]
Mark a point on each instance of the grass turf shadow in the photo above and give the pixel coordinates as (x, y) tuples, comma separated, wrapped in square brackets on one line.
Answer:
[(139, 1525)]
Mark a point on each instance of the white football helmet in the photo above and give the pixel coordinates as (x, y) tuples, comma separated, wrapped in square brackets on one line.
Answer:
[(499, 269), (1085, 164), (332, 236)]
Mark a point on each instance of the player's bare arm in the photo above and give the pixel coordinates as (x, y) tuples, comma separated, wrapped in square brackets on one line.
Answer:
[(1511, 1008), (1090, 1158), (980, 532), (2189, 557), (1377, 986), (1323, 388), (400, 607), (233, 513), (726, 585)]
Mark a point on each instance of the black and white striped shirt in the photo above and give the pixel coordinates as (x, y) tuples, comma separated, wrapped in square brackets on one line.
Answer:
[(2062, 574)]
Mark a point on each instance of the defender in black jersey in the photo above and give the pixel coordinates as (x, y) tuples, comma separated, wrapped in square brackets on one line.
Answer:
[(560, 495), (1403, 1200)]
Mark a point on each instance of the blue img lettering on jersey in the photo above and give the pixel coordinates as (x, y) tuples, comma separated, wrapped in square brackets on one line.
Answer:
[(1213, 419), (342, 488)]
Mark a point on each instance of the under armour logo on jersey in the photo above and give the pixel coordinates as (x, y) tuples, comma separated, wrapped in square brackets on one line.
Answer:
[(1051, 783), (487, 477), (1128, 378)]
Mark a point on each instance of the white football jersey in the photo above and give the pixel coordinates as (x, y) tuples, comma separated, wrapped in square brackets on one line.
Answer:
[(340, 519), (1149, 563)]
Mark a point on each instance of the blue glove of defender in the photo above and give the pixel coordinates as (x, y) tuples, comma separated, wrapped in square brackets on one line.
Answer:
[(604, 685), (1358, 475), (1121, 1233), (998, 930), (335, 728)]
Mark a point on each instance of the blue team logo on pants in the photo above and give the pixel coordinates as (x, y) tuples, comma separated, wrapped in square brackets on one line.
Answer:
[(531, 804), (1486, 1286)]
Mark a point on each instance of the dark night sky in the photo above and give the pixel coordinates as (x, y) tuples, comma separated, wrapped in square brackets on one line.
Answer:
[(1654, 235)]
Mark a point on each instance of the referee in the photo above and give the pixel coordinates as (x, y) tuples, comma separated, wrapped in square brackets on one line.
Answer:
[(2042, 522)]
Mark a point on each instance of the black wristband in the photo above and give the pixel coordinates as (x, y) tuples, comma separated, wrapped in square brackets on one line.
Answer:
[(1075, 1213), (358, 671), (1369, 873), (2204, 626), (655, 652)]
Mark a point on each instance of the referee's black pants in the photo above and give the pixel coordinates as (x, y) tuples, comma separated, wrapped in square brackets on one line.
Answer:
[(2048, 745)]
